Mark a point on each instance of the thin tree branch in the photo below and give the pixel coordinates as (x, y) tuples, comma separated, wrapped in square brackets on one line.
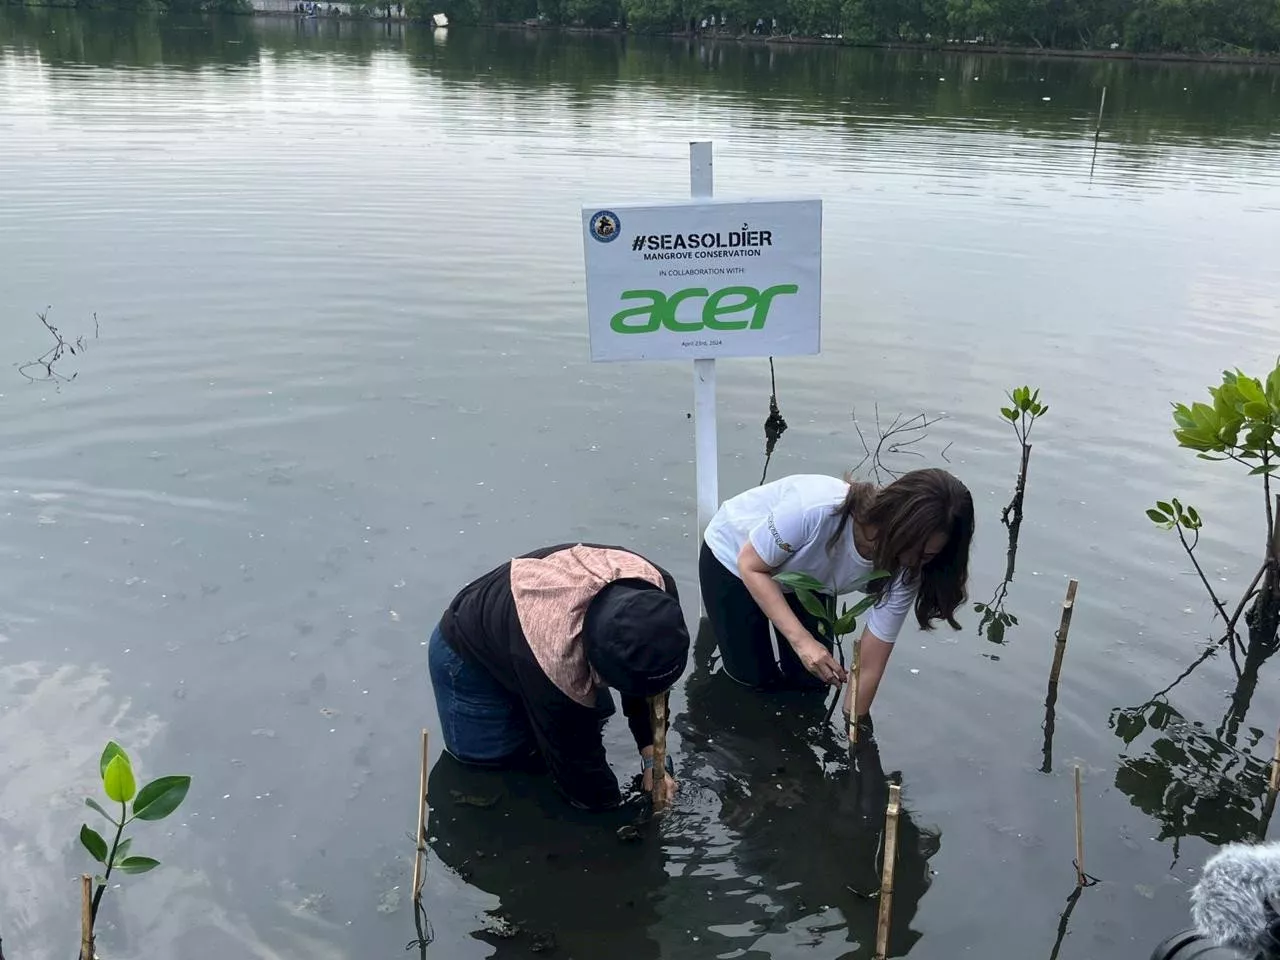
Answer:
[(900, 435), (1249, 593)]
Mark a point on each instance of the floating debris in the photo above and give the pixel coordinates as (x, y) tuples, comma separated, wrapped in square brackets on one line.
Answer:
[(475, 800)]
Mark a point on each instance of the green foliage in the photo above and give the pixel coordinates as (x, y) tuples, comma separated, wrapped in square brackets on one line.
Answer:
[(813, 596), (1025, 408), (117, 780), (592, 13), (1172, 513), (1240, 423), (1202, 26), (155, 801)]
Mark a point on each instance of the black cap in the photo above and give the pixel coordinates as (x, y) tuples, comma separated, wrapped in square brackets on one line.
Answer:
[(636, 638)]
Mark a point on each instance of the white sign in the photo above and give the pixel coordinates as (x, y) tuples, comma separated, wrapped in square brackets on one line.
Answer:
[(704, 279)]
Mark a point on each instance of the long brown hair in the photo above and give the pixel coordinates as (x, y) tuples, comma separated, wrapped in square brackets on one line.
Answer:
[(904, 515)]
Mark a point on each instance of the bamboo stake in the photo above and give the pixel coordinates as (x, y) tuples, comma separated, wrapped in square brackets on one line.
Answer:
[(853, 693), (1097, 132), (1079, 832), (1273, 784), (86, 917), (886, 876), (421, 832), (658, 719), (1068, 607)]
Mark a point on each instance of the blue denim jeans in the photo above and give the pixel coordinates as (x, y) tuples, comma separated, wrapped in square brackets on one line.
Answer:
[(482, 723)]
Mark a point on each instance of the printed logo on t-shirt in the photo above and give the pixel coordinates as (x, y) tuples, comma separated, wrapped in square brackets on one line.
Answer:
[(777, 537)]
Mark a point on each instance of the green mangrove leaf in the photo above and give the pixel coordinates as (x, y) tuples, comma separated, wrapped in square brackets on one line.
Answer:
[(93, 842), (118, 780), (161, 797)]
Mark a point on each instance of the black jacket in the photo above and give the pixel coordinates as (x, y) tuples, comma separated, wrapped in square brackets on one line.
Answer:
[(482, 626)]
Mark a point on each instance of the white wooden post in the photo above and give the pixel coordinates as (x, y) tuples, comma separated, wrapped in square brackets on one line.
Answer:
[(706, 449)]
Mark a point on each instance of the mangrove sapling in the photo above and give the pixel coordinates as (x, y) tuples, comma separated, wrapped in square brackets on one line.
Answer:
[(1024, 410), (820, 601), (1172, 515), (1240, 425), (155, 801)]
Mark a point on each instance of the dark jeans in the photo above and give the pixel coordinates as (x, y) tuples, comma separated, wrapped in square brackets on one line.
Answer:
[(743, 632), (482, 723)]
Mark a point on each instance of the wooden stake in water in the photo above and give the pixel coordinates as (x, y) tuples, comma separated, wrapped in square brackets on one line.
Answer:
[(86, 917), (1273, 785), (1068, 607), (1079, 831), (658, 719), (853, 693), (886, 876), (421, 832), (1097, 131)]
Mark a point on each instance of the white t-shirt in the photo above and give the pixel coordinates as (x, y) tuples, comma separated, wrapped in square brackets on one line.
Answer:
[(789, 522)]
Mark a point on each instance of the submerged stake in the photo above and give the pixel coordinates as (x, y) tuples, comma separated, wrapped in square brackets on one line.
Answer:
[(86, 917), (1080, 877), (853, 693), (1068, 607), (421, 832), (658, 718), (886, 877), (1273, 784)]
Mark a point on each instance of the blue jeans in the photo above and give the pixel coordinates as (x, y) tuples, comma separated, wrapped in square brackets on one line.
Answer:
[(482, 722)]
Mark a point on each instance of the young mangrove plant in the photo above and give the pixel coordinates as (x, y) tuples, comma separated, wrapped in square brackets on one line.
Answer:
[(1024, 410), (820, 601), (1173, 515), (155, 801), (1238, 425)]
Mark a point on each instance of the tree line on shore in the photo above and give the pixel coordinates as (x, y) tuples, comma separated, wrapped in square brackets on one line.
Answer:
[(1190, 26), (1204, 27)]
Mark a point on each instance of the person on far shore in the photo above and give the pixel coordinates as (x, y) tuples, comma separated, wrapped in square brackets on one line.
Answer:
[(918, 529), (522, 661)]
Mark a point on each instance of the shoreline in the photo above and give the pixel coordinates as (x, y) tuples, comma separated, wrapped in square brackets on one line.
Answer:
[(780, 40), (1009, 50)]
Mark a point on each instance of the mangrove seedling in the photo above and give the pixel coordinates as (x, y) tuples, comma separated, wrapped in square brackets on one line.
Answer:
[(820, 601), (1240, 425), (1024, 410), (1172, 515), (155, 801)]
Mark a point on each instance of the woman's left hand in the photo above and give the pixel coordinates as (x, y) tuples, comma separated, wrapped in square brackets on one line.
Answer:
[(669, 783)]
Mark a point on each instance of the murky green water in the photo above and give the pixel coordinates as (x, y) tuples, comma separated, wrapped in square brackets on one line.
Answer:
[(342, 368)]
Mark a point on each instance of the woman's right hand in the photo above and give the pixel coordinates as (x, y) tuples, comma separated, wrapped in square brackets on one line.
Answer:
[(818, 660)]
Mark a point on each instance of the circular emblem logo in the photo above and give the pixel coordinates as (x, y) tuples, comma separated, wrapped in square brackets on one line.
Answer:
[(605, 226)]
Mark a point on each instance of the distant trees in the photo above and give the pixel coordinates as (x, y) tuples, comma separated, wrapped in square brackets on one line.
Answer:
[(1142, 26), (1194, 26)]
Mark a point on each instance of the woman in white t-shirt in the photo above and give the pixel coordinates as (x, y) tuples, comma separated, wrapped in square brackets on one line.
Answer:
[(918, 528)]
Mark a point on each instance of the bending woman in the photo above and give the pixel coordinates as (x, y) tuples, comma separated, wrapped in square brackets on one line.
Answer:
[(523, 659), (917, 528)]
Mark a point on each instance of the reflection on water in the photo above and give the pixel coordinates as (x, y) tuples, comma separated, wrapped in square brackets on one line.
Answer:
[(1198, 781), (796, 825), (776, 839), (342, 367)]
